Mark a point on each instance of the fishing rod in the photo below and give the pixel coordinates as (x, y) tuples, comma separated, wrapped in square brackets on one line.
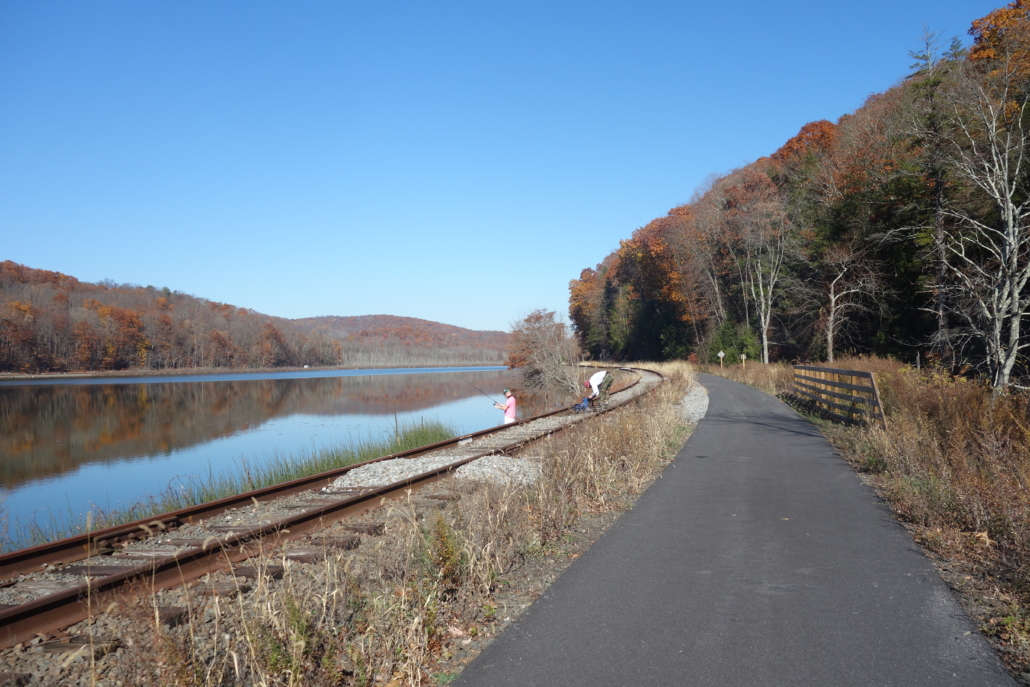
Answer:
[(477, 388)]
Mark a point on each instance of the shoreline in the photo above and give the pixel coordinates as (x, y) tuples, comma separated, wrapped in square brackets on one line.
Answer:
[(170, 372)]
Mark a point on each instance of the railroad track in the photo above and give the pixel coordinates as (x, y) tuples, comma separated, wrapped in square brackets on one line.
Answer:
[(55, 585)]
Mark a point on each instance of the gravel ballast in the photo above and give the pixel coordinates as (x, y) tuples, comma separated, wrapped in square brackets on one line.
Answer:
[(695, 404), (501, 470)]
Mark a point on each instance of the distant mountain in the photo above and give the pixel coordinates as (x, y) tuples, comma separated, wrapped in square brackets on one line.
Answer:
[(52, 322), (391, 330)]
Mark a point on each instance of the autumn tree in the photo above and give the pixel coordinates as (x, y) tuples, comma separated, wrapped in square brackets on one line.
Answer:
[(273, 348), (542, 347)]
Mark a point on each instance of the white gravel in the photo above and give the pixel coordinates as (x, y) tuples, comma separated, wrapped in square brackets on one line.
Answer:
[(501, 470), (695, 404), (390, 471)]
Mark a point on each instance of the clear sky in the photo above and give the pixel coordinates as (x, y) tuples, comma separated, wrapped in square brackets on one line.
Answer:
[(454, 161)]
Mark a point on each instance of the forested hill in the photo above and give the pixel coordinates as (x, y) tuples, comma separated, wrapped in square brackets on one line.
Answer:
[(52, 322), (391, 329), (902, 229)]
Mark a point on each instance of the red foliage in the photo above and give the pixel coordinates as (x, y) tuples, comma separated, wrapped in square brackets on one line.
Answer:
[(815, 138)]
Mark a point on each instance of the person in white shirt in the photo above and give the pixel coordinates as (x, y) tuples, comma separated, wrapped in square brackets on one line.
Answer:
[(598, 384)]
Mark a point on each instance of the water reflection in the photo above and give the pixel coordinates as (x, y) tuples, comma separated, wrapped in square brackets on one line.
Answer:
[(54, 429)]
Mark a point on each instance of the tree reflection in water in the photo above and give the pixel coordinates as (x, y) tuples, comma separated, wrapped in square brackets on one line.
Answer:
[(53, 429)]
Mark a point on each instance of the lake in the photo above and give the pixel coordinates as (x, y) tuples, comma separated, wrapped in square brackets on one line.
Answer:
[(71, 443)]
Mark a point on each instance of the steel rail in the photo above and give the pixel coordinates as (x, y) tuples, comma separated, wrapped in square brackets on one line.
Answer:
[(61, 609)]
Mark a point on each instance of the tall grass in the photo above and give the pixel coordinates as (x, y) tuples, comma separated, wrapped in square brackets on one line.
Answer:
[(772, 378), (242, 477)]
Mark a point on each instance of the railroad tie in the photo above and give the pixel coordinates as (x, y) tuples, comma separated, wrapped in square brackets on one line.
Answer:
[(344, 541), (250, 572), (305, 554), (372, 529), (191, 543), (84, 645), (156, 552), (44, 587), (320, 548), (172, 616), (235, 529), (220, 588), (93, 570)]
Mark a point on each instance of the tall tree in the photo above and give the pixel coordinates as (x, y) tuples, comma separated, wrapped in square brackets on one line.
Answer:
[(989, 255), (756, 215)]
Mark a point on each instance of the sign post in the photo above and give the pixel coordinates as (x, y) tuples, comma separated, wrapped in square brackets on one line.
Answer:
[(721, 356), (743, 360)]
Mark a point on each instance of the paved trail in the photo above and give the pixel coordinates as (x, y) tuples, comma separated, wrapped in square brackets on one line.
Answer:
[(758, 559)]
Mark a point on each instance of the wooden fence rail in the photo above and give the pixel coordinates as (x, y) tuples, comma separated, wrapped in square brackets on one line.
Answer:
[(823, 384)]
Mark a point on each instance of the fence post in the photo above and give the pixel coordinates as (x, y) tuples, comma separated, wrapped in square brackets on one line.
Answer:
[(879, 401)]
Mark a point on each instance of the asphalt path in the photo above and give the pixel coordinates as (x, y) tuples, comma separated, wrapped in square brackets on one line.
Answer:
[(759, 558)]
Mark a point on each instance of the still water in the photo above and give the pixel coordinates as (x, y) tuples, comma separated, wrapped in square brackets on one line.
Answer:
[(81, 442)]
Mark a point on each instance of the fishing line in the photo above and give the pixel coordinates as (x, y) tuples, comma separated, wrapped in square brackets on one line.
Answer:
[(477, 388)]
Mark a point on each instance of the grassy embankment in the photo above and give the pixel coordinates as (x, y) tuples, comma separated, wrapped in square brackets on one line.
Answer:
[(955, 466), (242, 477), (393, 613)]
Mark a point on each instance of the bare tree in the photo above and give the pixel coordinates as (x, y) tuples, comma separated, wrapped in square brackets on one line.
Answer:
[(542, 346), (757, 218), (989, 255), (851, 284)]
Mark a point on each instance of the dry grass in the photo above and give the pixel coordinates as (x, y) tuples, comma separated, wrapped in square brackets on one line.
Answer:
[(385, 613), (773, 378), (954, 464)]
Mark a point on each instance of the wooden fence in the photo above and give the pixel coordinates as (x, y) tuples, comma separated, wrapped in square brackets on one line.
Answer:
[(855, 400)]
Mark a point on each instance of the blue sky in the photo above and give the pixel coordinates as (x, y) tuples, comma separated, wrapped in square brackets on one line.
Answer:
[(458, 162)]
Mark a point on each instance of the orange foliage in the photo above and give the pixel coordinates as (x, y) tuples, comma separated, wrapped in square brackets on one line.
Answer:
[(1001, 33), (815, 138)]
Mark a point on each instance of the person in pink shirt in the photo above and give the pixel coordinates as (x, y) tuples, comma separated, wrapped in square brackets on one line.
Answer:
[(508, 407)]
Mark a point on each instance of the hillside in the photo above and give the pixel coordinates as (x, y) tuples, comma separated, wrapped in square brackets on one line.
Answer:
[(407, 331), (901, 229), (52, 322)]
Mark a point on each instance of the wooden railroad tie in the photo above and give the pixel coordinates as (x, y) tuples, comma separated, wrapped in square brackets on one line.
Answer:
[(250, 572), (372, 529), (83, 644), (172, 616), (220, 588), (94, 570)]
